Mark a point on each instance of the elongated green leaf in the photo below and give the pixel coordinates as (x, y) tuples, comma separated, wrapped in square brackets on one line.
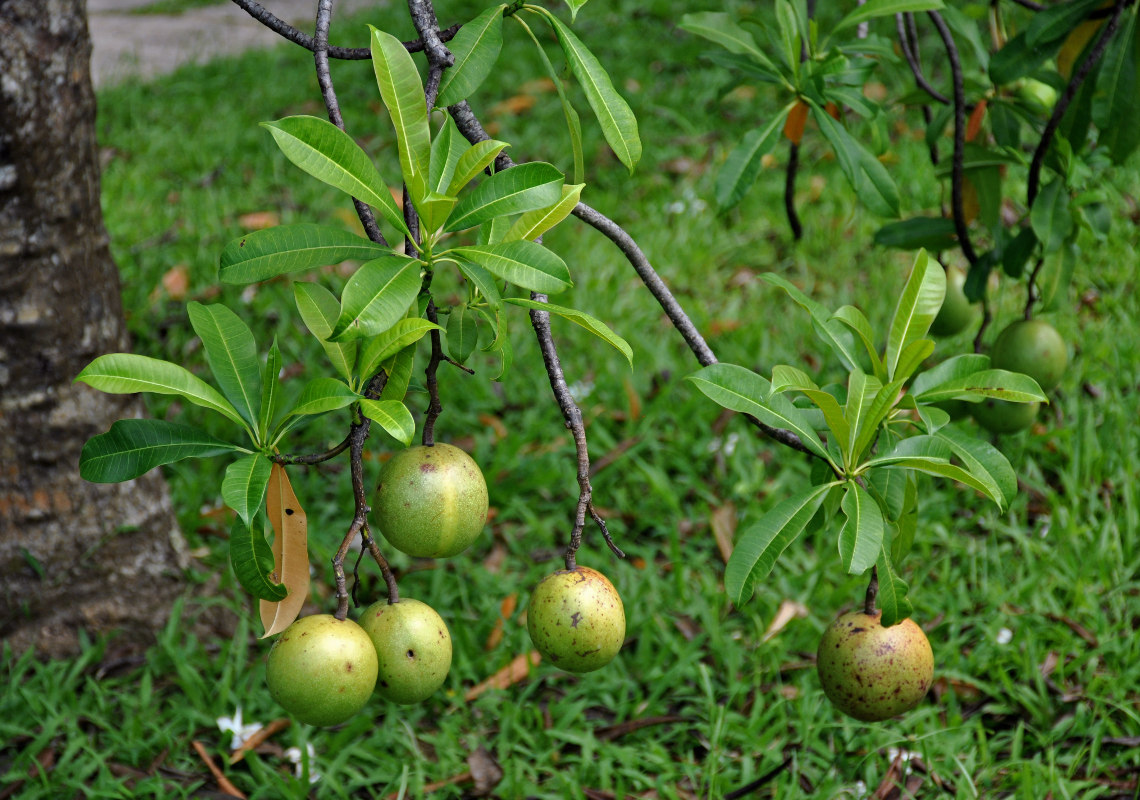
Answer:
[(399, 371), (866, 174), (740, 389), (500, 346), (831, 332), (329, 154), (270, 391), (911, 358), (126, 373), (393, 416), (892, 590), (245, 484), (618, 123), (476, 49), (592, 324), (320, 311), (931, 233), (932, 418), (1056, 22), (1052, 215), (883, 8), (434, 210), (858, 324), (252, 560), (376, 297), (483, 281), (534, 223), (984, 461), (931, 454), (522, 188), (472, 162), (718, 27), (952, 369), (785, 378), (1114, 109), (998, 383), (861, 537), (447, 147), (265, 254), (322, 395), (758, 546), (918, 305), (862, 391), (890, 487), (232, 356), (743, 164), (135, 446), (462, 333), (885, 400), (383, 346), (525, 264), (403, 95)]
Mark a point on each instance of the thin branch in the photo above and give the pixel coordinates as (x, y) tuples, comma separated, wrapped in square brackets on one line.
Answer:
[(987, 318), (909, 46), (1082, 72), (790, 191), (287, 31), (1033, 294), (435, 408), (314, 458), (540, 321), (958, 159), (1032, 6), (439, 57)]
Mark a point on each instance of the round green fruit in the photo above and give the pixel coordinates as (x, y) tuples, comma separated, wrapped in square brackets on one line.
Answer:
[(873, 673), (1034, 348), (1001, 416), (1039, 97), (957, 312), (413, 647), (432, 501), (321, 669), (576, 619)]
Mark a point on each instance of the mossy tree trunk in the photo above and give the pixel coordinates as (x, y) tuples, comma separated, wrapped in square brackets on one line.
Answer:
[(72, 554)]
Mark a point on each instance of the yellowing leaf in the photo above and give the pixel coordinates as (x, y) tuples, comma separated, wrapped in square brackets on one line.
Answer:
[(290, 552), (508, 676)]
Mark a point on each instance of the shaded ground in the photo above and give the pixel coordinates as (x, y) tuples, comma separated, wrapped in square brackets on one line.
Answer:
[(129, 44)]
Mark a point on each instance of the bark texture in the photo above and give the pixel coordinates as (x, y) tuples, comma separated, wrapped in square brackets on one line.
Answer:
[(72, 554)]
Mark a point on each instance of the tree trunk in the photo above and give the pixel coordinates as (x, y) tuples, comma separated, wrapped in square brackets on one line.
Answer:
[(73, 555)]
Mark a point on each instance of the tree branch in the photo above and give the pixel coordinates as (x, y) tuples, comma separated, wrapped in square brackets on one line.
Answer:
[(909, 47)]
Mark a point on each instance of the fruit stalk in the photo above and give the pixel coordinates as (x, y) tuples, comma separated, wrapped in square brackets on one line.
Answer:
[(872, 592)]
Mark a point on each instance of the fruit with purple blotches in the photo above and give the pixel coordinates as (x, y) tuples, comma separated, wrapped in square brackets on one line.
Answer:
[(576, 619)]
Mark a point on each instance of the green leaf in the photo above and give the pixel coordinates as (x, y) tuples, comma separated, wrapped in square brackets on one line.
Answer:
[(890, 487), (387, 344), (575, 6), (252, 560), (862, 391), (320, 310), (322, 395), (758, 546), (998, 383), (245, 485), (619, 125), (592, 324), (740, 389), (858, 324), (376, 297), (918, 305), (393, 416), (1056, 22), (534, 223), (474, 160), (892, 590), (1052, 216), (482, 280), (952, 369), (403, 95), (135, 446), (476, 49), (270, 391), (831, 332), (434, 210), (719, 28), (126, 373), (866, 174), (1016, 59), (1114, 109), (931, 454), (932, 233), (329, 154), (462, 333), (512, 191), (861, 537), (262, 255), (932, 418), (885, 400), (525, 264), (785, 378), (399, 371), (984, 461), (912, 357), (743, 164), (232, 356), (883, 8), (500, 345)]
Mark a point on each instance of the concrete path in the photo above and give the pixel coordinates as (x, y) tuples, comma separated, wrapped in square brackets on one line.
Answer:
[(146, 45)]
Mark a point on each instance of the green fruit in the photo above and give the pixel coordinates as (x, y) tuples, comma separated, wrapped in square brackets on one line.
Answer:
[(873, 673), (432, 501), (1037, 96), (576, 619), (321, 669), (1034, 348), (413, 646), (957, 312), (1002, 416), (957, 409)]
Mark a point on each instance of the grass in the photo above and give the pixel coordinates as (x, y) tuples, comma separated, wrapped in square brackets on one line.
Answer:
[(173, 7), (1031, 612)]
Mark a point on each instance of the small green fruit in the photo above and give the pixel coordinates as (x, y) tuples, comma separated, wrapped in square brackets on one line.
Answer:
[(957, 312), (321, 669), (873, 673), (432, 501), (1034, 348), (413, 647), (1039, 97), (576, 619), (1002, 416)]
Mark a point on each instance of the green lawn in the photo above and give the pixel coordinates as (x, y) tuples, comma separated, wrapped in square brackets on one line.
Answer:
[(1031, 613)]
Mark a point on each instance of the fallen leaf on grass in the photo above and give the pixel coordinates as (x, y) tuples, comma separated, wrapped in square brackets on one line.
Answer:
[(485, 771), (256, 740), (219, 777), (508, 676), (608, 733), (259, 220), (789, 610), (506, 609), (723, 523)]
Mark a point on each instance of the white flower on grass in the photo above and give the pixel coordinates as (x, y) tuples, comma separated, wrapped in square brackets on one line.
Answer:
[(240, 732), (1004, 636), (294, 755)]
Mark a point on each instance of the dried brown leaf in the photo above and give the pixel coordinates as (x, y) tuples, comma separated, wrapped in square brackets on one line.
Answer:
[(290, 552), (219, 777), (508, 676), (485, 771), (789, 610), (723, 523)]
